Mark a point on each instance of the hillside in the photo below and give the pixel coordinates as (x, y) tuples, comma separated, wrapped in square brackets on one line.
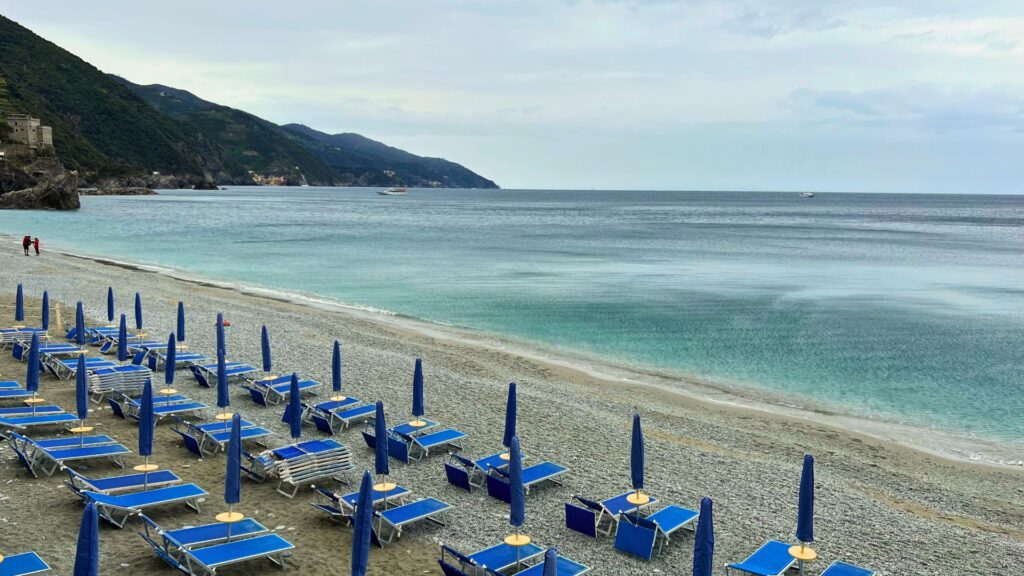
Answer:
[(108, 128), (269, 149)]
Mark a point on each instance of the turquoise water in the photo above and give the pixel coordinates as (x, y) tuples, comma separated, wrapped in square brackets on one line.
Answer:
[(902, 307)]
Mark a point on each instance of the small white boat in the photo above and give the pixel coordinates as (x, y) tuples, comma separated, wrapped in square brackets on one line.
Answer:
[(807, 194), (393, 191)]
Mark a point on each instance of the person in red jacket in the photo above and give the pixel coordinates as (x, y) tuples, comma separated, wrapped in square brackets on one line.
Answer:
[(35, 242), (25, 243)]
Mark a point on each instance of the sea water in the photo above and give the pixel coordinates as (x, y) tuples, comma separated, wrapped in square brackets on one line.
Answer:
[(906, 308)]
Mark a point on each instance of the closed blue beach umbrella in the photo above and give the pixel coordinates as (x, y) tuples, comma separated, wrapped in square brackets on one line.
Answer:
[(510, 416), (336, 369), (704, 540), (294, 408), (551, 562), (268, 363), (19, 305), (221, 344), (138, 311), (180, 332), (79, 324), (110, 304), (45, 324), (380, 433), (233, 477), (223, 398), (146, 421), (517, 512), (636, 455), (122, 340), (417, 390), (171, 362), (81, 389), (32, 371), (805, 515), (87, 552), (362, 525)]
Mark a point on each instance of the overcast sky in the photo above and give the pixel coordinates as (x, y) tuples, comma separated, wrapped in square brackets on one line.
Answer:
[(903, 96)]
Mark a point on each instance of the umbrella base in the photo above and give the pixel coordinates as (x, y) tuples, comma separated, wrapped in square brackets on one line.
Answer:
[(34, 400), (505, 456), (417, 423), (167, 391), (229, 517), (80, 429), (638, 499), (384, 487), (340, 398), (145, 467), (803, 553), (223, 416), (518, 540)]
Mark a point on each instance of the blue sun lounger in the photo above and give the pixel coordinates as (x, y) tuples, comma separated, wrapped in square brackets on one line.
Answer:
[(172, 543), (117, 509), (843, 569), (495, 559), (128, 379), (271, 392), (208, 438), (587, 516), (328, 421), (565, 567), (47, 455), (20, 351), (79, 483), (637, 535), (14, 394), (23, 564), (206, 561), (7, 384), (162, 410), (23, 422), (341, 508), (207, 373), (156, 356), (65, 369), (467, 474), (29, 410), (8, 336), (771, 559), (426, 509), (497, 480), (408, 448)]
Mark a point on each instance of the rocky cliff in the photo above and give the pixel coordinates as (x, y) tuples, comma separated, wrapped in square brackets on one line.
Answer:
[(57, 193)]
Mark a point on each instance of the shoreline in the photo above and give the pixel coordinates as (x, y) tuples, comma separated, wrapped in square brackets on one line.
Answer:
[(578, 365)]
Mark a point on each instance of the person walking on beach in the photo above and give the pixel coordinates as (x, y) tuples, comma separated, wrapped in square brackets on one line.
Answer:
[(35, 242), (25, 242)]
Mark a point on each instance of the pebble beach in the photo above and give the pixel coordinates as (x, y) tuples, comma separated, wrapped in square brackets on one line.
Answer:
[(879, 504)]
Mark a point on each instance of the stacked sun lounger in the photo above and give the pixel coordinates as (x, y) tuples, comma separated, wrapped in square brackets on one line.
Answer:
[(409, 443), (298, 464), (8, 336), (65, 368), (334, 415), (202, 550), (47, 351), (276, 390), (542, 472), (205, 374), (163, 406), (129, 379), (208, 438), (47, 454), (119, 508)]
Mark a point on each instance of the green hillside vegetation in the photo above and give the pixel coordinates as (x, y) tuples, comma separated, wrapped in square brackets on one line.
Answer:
[(105, 126)]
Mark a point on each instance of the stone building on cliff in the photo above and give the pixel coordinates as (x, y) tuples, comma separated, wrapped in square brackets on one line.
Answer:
[(29, 131)]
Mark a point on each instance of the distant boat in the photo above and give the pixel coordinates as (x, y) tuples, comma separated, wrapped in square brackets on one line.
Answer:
[(807, 194), (393, 191)]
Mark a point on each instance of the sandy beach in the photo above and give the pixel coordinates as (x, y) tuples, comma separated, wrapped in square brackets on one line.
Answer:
[(879, 504)]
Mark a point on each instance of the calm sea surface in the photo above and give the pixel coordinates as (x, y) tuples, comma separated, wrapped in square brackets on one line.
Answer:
[(908, 308)]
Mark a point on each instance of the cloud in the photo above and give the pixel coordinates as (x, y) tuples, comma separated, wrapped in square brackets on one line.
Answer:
[(770, 23), (931, 107)]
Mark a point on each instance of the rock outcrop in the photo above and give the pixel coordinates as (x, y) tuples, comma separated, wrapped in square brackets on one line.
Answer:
[(57, 193), (117, 191)]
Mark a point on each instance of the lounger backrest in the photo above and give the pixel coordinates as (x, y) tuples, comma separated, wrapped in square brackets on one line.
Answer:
[(450, 570), (456, 554), (498, 488), (116, 407), (321, 423), (580, 519), (466, 462), (398, 449), (635, 536), (457, 476)]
